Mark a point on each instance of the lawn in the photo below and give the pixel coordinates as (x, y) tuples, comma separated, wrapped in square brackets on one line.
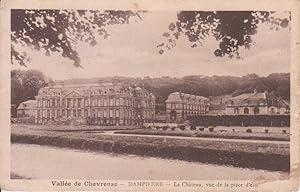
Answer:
[(23, 130), (214, 134)]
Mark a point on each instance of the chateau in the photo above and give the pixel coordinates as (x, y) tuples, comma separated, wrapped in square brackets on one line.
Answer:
[(95, 103), (256, 104), (119, 104), (180, 105)]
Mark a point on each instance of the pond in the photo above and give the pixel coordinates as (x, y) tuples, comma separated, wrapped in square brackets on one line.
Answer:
[(44, 162)]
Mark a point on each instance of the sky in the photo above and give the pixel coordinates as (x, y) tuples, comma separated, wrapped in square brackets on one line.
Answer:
[(131, 51)]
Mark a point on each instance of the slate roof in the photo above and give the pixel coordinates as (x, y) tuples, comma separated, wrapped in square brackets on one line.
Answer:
[(30, 104), (254, 99), (178, 97)]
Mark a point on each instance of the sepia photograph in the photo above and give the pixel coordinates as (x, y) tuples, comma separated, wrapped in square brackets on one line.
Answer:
[(168, 97)]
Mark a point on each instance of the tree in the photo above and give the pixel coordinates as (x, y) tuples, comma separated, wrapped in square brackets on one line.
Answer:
[(60, 30), (232, 29), (26, 84)]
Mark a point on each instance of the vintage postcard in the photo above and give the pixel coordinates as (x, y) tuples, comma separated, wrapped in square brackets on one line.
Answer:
[(141, 95)]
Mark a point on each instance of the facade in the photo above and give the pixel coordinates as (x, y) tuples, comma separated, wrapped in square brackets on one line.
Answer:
[(27, 109), (256, 104), (96, 103), (180, 105)]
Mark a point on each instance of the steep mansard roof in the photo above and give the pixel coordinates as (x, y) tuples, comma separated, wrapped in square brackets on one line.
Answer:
[(91, 88), (179, 97), (254, 99), (30, 104)]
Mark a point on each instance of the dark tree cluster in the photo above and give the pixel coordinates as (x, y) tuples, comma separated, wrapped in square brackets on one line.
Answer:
[(60, 30), (26, 84)]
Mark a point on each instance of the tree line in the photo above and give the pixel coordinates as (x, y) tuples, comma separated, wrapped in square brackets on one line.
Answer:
[(25, 85)]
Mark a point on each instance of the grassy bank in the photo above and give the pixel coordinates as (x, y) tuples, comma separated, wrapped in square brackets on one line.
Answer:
[(226, 135), (269, 156)]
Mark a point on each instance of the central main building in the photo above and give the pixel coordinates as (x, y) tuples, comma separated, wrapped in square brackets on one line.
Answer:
[(96, 103)]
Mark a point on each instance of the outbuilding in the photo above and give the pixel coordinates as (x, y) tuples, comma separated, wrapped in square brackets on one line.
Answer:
[(27, 109)]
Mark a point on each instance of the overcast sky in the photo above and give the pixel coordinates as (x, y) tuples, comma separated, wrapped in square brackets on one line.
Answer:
[(131, 51)]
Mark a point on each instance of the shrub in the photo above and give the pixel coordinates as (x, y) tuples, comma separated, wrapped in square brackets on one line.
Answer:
[(144, 127), (173, 128), (249, 130), (233, 130), (157, 127), (193, 127), (266, 130), (284, 131), (182, 127), (149, 127), (165, 128), (201, 128), (211, 129)]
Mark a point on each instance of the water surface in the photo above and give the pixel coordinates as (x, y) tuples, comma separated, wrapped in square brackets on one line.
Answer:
[(44, 162)]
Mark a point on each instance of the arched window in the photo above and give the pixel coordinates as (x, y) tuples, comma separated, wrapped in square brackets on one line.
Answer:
[(173, 115), (256, 110), (246, 111), (272, 110), (236, 111)]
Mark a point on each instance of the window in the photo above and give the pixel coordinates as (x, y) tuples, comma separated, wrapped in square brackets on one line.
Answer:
[(117, 113), (111, 102), (74, 113), (236, 111), (105, 113), (256, 110), (272, 110), (38, 114), (68, 103), (104, 102), (110, 113), (117, 102), (79, 102), (246, 111), (93, 113), (79, 113), (173, 115)]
